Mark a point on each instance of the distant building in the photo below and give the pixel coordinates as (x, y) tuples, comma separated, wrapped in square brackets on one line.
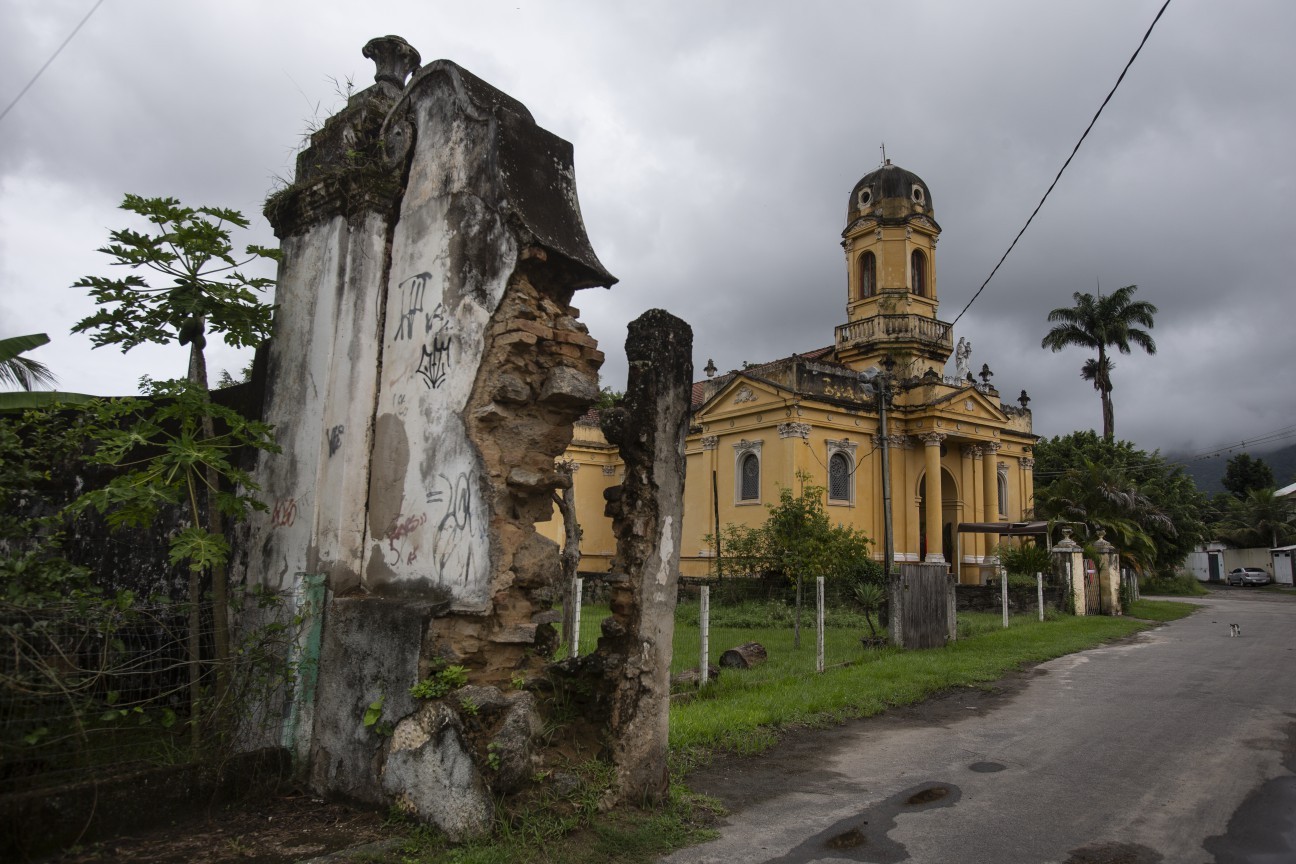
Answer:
[(950, 439)]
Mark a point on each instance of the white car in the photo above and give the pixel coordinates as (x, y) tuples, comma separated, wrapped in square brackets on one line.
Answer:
[(1248, 576)]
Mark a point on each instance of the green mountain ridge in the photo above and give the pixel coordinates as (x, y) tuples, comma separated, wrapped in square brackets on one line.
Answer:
[(1208, 473)]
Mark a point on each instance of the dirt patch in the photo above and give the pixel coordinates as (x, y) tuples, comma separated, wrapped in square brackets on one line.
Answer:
[(278, 830), (1114, 853)]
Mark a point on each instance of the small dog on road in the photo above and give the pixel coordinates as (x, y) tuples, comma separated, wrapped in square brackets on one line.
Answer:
[(1235, 630)]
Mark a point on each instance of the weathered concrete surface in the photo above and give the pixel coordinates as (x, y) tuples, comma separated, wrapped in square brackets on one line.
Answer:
[(431, 774), (1157, 747), (369, 652), (649, 430), (426, 372)]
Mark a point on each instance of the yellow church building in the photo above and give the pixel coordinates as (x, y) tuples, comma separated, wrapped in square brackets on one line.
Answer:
[(948, 438)]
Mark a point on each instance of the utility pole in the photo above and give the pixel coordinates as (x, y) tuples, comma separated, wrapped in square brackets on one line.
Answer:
[(881, 383)]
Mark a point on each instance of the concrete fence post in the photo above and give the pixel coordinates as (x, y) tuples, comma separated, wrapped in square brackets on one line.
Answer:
[(577, 593), (819, 623), (1003, 594), (1039, 593), (704, 635)]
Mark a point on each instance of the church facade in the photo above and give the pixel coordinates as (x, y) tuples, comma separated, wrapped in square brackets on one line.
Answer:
[(956, 452)]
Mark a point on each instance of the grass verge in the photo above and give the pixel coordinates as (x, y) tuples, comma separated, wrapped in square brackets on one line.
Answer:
[(1161, 610), (746, 712), (739, 714)]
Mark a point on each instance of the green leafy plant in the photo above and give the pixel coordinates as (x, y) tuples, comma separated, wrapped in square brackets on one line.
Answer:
[(870, 596), (469, 706), (373, 717), (797, 541), (492, 756), (438, 685)]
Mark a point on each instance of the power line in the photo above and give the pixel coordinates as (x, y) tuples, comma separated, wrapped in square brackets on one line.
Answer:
[(1074, 150), (57, 52)]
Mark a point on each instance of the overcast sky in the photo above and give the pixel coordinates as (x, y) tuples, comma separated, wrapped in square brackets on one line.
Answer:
[(716, 144)]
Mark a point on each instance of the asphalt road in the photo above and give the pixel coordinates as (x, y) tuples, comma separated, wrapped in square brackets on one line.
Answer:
[(1176, 746)]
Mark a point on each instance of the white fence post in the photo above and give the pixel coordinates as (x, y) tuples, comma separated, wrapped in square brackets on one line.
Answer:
[(704, 626), (1039, 593), (1003, 593), (819, 623), (578, 586)]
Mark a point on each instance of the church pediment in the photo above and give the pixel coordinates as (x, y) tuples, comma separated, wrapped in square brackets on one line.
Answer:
[(741, 394), (970, 405)]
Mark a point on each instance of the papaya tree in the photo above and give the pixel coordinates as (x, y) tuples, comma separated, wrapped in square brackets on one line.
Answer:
[(185, 283)]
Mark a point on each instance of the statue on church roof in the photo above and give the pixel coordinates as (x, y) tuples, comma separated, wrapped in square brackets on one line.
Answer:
[(962, 361)]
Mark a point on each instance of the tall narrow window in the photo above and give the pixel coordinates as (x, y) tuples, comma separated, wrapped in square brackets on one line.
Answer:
[(1003, 494), (839, 474), (918, 274), (867, 275), (750, 486)]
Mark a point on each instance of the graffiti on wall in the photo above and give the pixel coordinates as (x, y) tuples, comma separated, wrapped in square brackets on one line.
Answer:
[(454, 536), (431, 329), (334, 436)]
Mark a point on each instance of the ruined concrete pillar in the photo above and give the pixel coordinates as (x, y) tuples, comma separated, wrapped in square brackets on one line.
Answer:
[(1108, 564), (1068, 567), (426, 369), (932, 489), (649, 430)]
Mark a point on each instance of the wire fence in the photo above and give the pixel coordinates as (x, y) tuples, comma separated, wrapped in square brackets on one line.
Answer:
[(94, 687), (744, 623), (828, 627), (88, 688)]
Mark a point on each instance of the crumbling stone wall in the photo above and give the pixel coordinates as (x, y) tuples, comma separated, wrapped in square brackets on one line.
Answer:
[(426, 372)]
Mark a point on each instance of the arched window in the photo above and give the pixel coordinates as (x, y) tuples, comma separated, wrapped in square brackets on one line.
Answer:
[(749, 485), (1003, 494), (918, 273), (867, 275), (839, 476)]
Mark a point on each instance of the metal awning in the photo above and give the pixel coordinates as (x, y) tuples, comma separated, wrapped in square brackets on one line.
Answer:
[(1010, 529)]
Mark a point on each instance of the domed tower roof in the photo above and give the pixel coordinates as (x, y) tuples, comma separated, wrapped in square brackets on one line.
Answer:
[(890, 194)]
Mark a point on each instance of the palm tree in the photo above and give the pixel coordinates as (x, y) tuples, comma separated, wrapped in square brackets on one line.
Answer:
[(1101, 323), (24, 372), (1261, 517)]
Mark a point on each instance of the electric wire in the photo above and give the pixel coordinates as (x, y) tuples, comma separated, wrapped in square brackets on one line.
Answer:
[(57, 52), (1074, 150)]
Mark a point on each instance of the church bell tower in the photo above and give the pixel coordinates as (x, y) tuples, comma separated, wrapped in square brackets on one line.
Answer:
[(891, 302)]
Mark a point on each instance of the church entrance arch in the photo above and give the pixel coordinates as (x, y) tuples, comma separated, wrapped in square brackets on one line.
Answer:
[(949, 513)]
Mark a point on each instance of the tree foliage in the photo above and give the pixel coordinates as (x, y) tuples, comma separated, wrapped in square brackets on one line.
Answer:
[(1150, 510), (1243, 475), (1259, 519), (203, 289), (1100, 323), (797, 541)]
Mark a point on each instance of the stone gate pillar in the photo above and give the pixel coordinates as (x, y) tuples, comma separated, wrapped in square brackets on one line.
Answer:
[(1108, 575), (426, 369), (1068, 567)]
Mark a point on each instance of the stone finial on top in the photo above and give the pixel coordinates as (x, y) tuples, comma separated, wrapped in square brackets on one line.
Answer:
[(395, 58)]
